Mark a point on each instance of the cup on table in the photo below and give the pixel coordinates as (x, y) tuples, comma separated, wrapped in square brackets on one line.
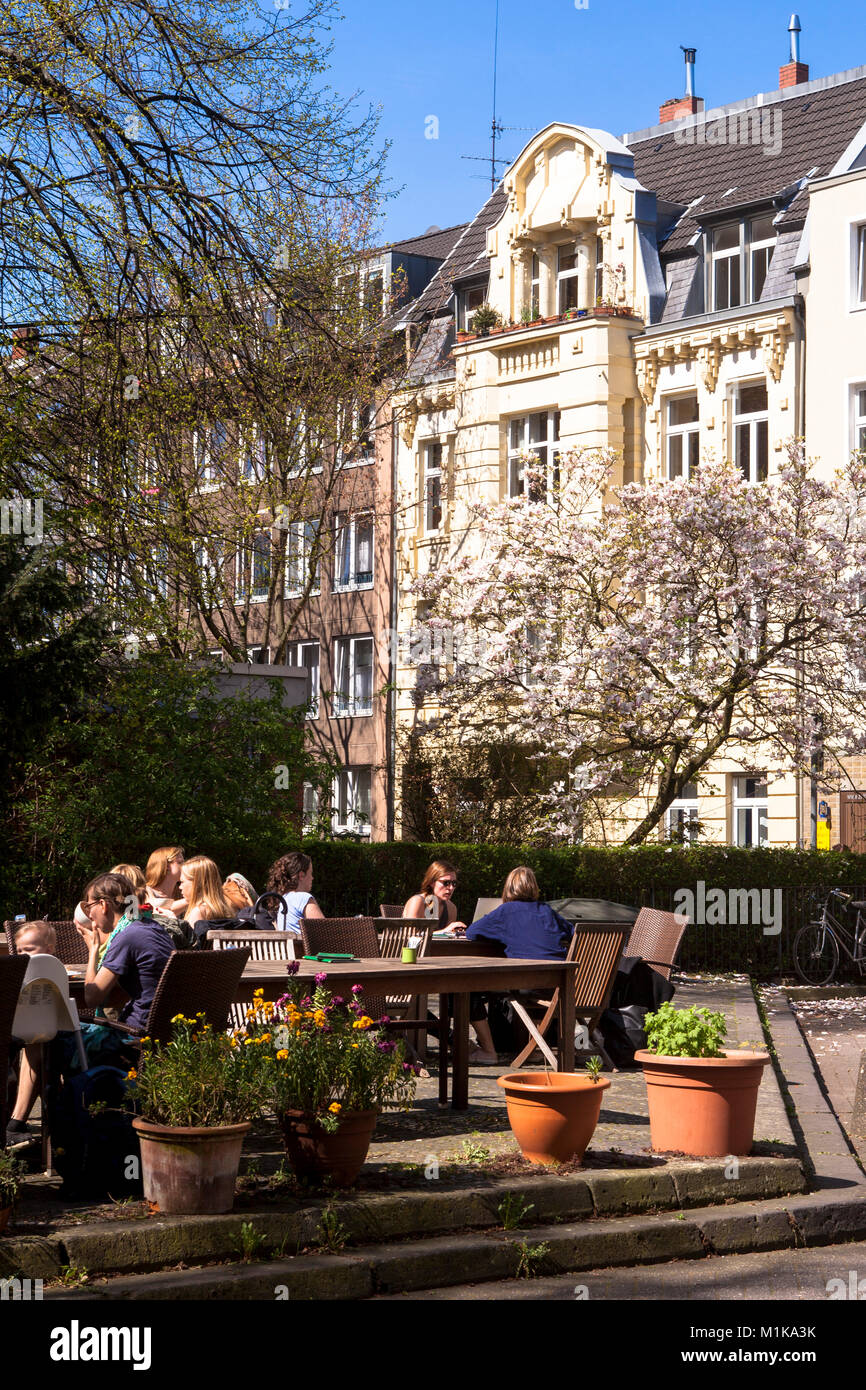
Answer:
[(410, 950)]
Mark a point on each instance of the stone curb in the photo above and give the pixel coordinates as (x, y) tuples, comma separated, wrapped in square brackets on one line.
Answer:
[(440, 1262), (161, 1243)]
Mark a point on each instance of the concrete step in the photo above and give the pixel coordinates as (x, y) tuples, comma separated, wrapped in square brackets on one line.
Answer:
[(418, 1267)]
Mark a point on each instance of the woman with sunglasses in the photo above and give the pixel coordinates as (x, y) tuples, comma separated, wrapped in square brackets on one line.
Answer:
[(434, 903)]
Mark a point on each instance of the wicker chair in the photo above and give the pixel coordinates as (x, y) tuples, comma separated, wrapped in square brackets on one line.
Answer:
[(12, 972), (597, 947), (391, 909), (355, 936), (655, 938), (193, 982), (71, 946)]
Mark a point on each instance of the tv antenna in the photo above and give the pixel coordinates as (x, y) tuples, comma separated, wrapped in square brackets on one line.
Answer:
[(496, 128)]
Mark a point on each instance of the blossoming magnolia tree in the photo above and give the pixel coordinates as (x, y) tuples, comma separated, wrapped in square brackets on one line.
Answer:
[(632, 637)]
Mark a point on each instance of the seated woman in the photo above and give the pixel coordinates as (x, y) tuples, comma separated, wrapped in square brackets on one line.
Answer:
[(292, 877), (529, 929), (178, 931), (239, 892), (126, 955), (202, 888), (164, 868), (434, 903), (31, 939)]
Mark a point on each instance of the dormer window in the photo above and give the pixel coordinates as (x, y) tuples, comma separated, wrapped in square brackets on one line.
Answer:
[(739, 258), (567, 272), (470, 300)]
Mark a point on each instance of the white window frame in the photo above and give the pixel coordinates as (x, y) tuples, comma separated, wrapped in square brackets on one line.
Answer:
[(351, 780), (564, 277), (297, 655), (750, 421), (681, 818), (210, 474), (252, 447), (251, 655), (346, 527), (351, 705), (689, 434), (209, 556), (519, 445), (535, 286), (310, 811), (300, 537), (469, 309), (431, 474), (757, 808), (858, 417), (858, 265), (733, 254), (377, 273), (245, 568), (357, 456), (752, 246)]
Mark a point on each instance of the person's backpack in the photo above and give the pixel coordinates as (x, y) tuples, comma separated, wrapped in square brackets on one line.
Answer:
[(94, 1146), (260, 917), (623, 1033), (256, 918)]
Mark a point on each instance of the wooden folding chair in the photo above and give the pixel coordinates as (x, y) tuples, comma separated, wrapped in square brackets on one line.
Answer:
[(263, 945), (597, 947), (655, 938), (394, 934)]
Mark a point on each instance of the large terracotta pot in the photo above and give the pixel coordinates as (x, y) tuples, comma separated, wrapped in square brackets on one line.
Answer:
[(190, 1171), (704, 1106), (315, 1154), (553, 1114)]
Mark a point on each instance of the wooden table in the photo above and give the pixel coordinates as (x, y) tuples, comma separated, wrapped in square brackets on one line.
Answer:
[(458, 974)]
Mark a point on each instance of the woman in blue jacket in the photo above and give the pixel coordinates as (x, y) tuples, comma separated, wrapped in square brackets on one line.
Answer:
[(529, 929)]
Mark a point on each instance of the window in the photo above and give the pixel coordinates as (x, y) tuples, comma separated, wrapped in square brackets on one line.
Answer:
[(431, 484), (750, 810), (302, 558), (762, 240), (535, 289), (306, 654), (352, 788), (252, 457), (599, 270), (211, 445), (567, 272), (859, 287), (683, 436), (537, 435), (725, 263), (360, 444), (253, 569), (353, 677), (311, 807), (353, 552), (259, 656), (470, 301), (681, 817), (751, 439), (858, 423), (209, 562), (374, 289)]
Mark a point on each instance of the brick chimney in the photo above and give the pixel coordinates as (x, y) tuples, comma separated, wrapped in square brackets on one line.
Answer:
[(689, 105), (25, 342), (794, 72)]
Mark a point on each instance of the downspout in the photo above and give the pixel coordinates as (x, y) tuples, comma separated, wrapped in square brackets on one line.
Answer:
[(391, 731), (800, 430)]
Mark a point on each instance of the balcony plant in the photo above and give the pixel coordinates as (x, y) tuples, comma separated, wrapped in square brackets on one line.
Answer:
[(10, 1185), (485, 318), (553, 1115), (196, 1097), (327, 1070), (702, 1097)]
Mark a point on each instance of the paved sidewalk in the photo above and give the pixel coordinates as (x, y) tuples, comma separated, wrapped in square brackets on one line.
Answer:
[(835, 1030)]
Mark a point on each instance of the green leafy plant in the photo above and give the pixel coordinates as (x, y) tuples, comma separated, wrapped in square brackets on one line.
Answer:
[(72, 1276), (249, 1241), (593, 1068), (199, 1078), (470, 1152), (530, 1263), (331, 1233), (690, 1032), (513, 1210), (11, 1174), (485, 318), (316, 1054)]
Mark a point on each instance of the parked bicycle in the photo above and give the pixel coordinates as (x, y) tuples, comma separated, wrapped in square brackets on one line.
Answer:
[(817, 946)]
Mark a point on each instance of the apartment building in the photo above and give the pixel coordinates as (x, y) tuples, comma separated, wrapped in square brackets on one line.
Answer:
[(656, 292)]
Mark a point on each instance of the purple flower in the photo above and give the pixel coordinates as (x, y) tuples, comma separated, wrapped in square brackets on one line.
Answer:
[(357, 989), (385, 1046), (384, 1019), (336, 1001), (306, 1002), (321, 977), (293, 967)]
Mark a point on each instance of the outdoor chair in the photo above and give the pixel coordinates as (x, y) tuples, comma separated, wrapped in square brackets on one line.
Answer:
[(394, 934), (71, 946), (597, 947), (655, 938), (391, 909), (192, 982), (45, 1009), (263, 945), (12, 972)]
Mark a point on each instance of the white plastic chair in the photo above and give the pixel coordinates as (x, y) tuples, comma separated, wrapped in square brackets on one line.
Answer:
[(44, 1010)]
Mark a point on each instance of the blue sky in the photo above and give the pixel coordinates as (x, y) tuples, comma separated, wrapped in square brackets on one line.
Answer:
[(610, 65)]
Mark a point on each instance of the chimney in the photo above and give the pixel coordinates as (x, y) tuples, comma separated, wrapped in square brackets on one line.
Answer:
[(794, 72), (688, 105), (26, 339)]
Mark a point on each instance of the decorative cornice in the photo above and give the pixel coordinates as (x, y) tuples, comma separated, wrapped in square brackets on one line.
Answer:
[(708, 344)]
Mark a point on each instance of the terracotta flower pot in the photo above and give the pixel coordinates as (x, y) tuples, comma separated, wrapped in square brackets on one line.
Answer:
[(704, 1106), (190, 1171), (553, 1114), (315, 1154)]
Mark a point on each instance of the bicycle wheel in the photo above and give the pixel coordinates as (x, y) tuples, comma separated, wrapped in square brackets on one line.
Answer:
[(816, 954)]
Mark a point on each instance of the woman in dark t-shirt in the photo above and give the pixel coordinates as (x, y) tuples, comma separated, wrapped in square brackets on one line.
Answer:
[(136, 949)]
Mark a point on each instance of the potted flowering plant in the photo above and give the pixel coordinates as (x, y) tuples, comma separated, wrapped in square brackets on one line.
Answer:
[(10, 1185), (702, 1097), (485, 318), (327, 1070), (196, 1096)]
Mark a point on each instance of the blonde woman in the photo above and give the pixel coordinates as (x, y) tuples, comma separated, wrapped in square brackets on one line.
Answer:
[(162, 876), (202, 889), (528, 928)]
